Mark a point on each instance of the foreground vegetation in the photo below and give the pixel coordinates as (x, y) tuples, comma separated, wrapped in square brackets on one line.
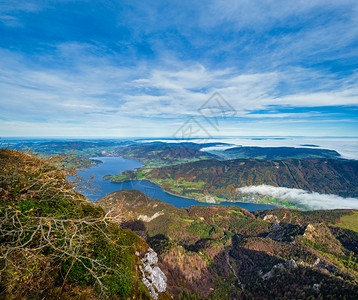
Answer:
[(55, 244)]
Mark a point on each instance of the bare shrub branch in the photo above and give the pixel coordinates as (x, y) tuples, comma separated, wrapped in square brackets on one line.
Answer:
[(42, 219)]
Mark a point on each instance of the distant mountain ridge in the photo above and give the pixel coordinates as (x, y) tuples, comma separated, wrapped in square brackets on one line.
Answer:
[(162, 153), (277, 153)]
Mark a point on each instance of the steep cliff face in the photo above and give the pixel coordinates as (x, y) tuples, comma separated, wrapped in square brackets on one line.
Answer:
[(152, 276), (219, 252)]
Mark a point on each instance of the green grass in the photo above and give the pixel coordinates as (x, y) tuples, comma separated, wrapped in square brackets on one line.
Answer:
[(220, 199), (154, 162), (350, 222), (280, 203), (178, 184), (118, 177), (140, 175)]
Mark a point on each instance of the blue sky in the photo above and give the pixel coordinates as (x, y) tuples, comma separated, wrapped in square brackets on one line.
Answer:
[(143, 68)]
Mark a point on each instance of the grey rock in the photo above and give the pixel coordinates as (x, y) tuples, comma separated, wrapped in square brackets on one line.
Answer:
[(148, 269), (159, 280), (270, 273), (153, 277), (292, 264), (271, 218), (150, 257)]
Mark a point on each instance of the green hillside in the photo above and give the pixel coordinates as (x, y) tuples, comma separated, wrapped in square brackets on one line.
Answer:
[(221, 179), (350, 222)]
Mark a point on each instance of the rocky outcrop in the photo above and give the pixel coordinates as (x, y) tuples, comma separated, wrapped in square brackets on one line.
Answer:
[(292, 264), (153, 277), (288, 265), (316, 287), (309, 232), (320, 234), (271, 218), (148, 219), (271, 273)]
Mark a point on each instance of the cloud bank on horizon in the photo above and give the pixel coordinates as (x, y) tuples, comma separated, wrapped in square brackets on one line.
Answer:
[(131, 68), (312, 200)]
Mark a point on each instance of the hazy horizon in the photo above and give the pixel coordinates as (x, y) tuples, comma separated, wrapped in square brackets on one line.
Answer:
[(347, 147)]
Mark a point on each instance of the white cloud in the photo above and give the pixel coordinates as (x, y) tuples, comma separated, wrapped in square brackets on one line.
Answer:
[(348, 96), (286, 32), (258, 14), (311, 200), (95, 90), (8, 10)]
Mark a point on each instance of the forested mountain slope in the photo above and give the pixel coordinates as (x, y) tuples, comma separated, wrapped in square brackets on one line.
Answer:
[(225, 252), (222, 178)]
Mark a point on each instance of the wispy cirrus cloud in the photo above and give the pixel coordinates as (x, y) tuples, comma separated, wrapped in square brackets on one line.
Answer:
[(66, 64), (88, 94)]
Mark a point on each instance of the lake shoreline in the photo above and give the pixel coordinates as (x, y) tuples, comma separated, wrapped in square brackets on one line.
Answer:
[(117, 165), (178, 195)]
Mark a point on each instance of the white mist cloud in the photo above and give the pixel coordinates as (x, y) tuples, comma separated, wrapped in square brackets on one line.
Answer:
[(313, 200)]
